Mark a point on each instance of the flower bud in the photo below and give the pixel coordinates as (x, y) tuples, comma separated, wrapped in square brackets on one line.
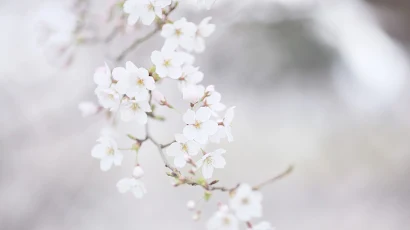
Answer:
[(138, 172), (191, 205)]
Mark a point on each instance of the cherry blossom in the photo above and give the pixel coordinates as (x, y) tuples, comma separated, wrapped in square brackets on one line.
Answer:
[(135, 110), (107, 151), (108, 98), (204, 30), (224, 127), (190, 76), (246, 203), (180, 33), (264, 225), (168, 63), (133, 81), (222, 220), (199, 127), (135, 186), (87, 108), (213, 101), (210, 161), (182, 147), (102, 76), (193, 93), (144, 10)]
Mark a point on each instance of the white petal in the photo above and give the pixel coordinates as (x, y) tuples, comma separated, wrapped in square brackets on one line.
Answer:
[(141, 117), (199, 45), (106, 163), (118, 158), (193, 148), (145, 106), (174, 150), (189, 117), (119, 73), (218, 161), (162, 71), (148, 18), (157, 58), (211, 127), (190, 132), (180, 138), (179, 161), (174, 72), (98, 151), (123, 185), (130, 67), (203, 114), (149, 83), (132, 19), (207, 171), (167, 30)]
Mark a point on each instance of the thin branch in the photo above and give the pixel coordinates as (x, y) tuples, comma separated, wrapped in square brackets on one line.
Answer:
[(135, 44), (274, 179)]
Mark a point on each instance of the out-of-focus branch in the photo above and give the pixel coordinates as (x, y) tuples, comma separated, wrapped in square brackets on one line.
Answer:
[(285, 173)]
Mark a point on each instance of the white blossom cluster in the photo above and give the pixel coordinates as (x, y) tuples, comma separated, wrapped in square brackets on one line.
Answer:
[(131, 91)]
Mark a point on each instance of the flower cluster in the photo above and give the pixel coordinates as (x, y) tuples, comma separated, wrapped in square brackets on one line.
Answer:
[(132, 93)]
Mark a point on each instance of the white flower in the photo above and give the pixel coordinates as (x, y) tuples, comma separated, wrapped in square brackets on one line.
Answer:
[(88, 108), (190, 76), (204, 30), (192, 93), (167, 63), (222, 220), (133, 185), (199, 127), (133, 81), (135, 110), (246, 203), (224, 128), (210, 161), (213, 101), (144, 10), (138, 172), (108, 98), (264, 225), (107, 151), (102, 76), (180, 33), (207, 4), (180, 148)]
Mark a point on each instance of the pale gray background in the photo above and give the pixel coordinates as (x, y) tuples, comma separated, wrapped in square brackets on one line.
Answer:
[(322, 85)]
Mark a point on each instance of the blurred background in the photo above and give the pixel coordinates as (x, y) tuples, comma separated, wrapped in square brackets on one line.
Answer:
[(321, 85)]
